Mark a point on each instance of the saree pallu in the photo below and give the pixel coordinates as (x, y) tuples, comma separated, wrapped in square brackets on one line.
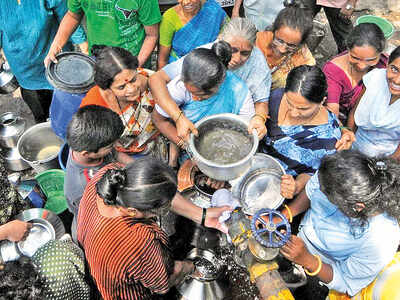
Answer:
[(299, 148), (384, 287), (203, 28), (229, 99)]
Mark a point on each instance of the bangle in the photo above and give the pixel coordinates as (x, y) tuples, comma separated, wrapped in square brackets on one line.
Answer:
[(345, 127), (180, 143), (180, 114), (289, 213), (318, 268), (261, 116), (203, 216)]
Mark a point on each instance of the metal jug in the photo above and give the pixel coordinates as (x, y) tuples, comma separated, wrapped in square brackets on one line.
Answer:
[(208, 286)]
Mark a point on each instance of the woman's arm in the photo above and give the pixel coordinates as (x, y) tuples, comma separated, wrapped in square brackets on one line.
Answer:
[(350, 120), (296, 251), (236, 8), (14, 231), (67, 26), (158, 85), (181, 269), (290, 187), (258, 121), (396, 154), (163, 55), (149, 43), (166, 127)]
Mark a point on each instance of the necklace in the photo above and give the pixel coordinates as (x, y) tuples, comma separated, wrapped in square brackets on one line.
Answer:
[(302, 122)]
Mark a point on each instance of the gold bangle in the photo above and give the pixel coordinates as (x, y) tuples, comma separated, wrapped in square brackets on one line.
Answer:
[(289, 213), (180, 143), (180, 114), (261, 116), (318, 268)]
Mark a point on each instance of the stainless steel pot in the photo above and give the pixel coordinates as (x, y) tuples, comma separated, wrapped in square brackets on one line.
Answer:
[(207, 286), (8, 82), (39, 147), (12, 127), (13, 160), (214, 170)]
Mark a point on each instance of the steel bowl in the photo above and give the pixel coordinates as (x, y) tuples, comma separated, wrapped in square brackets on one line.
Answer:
[(223, 172)]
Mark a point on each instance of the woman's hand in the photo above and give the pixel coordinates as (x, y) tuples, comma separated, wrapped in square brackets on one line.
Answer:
[(288, 186), (296, 251), (184, 127), (258, 124), (16, 230), (51, 55), (347, 139), (212, 216)]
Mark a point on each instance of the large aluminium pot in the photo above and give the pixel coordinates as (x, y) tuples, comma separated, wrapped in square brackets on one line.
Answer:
[(11, 128), (218, 171), (39, 147), (13, 160), (8, 82)]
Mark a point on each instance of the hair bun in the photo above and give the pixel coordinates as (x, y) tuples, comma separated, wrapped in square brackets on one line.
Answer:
[(223, 51), (110, 184), (96, 49)]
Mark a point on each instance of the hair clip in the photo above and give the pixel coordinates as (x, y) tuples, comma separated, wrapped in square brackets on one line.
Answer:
[(380, 166)]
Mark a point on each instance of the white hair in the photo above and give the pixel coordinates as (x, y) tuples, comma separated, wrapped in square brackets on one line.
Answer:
[(239, 27)]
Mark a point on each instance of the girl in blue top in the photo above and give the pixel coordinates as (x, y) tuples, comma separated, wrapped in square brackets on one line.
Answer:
[(350, 231)]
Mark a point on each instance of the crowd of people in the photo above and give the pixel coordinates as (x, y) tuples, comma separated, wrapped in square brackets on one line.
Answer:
[(335, 130)]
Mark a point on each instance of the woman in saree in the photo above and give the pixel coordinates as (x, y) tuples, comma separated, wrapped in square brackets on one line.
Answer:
[(123, 87), (247, 62), (204, 88), (301, 131), (345, 71), (188, 25), (375, 118), (284, 46)]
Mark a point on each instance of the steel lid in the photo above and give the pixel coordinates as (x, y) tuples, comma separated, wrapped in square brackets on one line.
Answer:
[(74, 72), (260, 186), (40, 233)]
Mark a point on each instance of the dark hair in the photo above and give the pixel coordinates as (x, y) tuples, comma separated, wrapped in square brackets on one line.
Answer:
[(93, 127), (394, 55), (308, 81), (110, 61), (366, 34), (145, 184), (294, 18), (349, 177), (20, 280), (206, 68)]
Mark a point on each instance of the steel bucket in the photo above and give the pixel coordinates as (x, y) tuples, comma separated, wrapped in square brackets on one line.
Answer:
[(39, 147), (218, 171), (8, 82)]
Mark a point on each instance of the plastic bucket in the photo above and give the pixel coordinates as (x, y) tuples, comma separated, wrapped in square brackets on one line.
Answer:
[(52, 184), (63, 106), (385, 25)]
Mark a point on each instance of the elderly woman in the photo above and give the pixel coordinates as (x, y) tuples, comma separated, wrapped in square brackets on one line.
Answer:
[(186, 26), (123, 87), (205, 88), (375, 118), (344, 72), (301, 131), (247, 63), (284, 47), (350, 231), (117, 215)]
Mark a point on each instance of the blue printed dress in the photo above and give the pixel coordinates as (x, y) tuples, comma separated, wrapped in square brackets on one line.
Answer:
[(299, 148)]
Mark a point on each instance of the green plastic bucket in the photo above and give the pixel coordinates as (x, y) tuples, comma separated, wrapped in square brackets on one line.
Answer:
[(52, 184), (385, 25)]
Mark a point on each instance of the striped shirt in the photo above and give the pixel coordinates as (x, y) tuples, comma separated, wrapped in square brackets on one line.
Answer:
[(128, 259)]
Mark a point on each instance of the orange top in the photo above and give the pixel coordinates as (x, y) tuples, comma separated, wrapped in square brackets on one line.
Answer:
[(93, 97)]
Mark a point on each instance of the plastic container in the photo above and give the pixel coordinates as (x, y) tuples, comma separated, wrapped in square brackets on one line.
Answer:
[(52, 184), (63, 156), (63, 106), (385, 25)]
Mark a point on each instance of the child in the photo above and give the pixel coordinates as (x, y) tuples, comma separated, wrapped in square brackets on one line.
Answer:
[(91, 135)]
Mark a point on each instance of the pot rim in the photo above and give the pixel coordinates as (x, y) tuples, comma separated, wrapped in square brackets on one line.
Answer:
[(210, 163), (21, 139)]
